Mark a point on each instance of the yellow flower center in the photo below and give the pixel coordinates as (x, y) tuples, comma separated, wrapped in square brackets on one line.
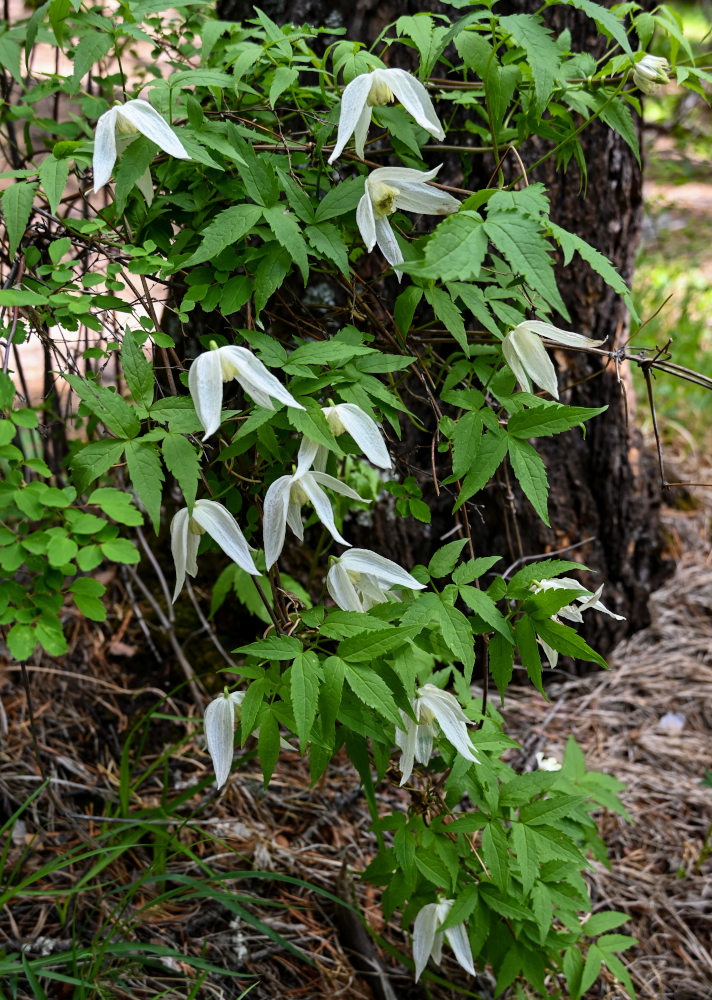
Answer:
[(297, 495), (194, 527), (380, 93), (353, 576), (334, 422), (122, 126), (383, 198)]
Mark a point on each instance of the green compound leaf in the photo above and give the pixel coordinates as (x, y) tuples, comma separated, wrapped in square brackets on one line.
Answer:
[(226, 228)]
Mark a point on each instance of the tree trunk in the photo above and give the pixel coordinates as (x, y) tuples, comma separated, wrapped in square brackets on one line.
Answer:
[(604, 490)]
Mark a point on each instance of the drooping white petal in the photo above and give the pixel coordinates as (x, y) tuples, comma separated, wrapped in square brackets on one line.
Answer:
[(388, 244), (387, 571), (396, 176), (353, 106), (104, 148), (424, 742), (206, 388), (308, 450), (405, 740), (567, 337), (416, 100), (144, 117), (220, 735), (526, 356), (460, 943), (366, 221), (294, 520), (254, 377), (275, 518), (361, 130), (450, 717), (342, 589), (179, 547), (426, 200), (424, 930), (332, 483), (224, 529), (365, 432), (320, 502)]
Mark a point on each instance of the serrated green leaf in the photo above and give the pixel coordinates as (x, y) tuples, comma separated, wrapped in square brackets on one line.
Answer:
[(289, 235), (227, 228), (183, 462), (405, 307), (144, 468), (606, 20), (445, 559), (283, 78), (271, 272), (543, 54), (525, 853), (92, 46), (568, 642), (457, 635), (570, 243), (544, 421), (10, 57), (449, 314), (592, 967), (542, 908), (525, 638), (496, 855), (16, 202), (94, 460), (370, 645), (342, 198), (483, 605), (327, 240), (530, 471), (490, 453), (138, 370), (465, 442), (53, 178), (617, 115), (435, 871), (273, 647), (456, 249), (118, 415), (606, 921), (372, 690), (521, 240), (304, 689), (131, 168), (312, 423)]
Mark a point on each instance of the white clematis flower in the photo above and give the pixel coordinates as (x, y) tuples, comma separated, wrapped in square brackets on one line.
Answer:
[(526, 355), (377, 88), (544, 763), (391, 188), (123, 122), (286, 495), (433, 709), (348, 418), (186, 529), (219, 725), (650, 73), (571, 612), (220, 364), (428, 939), (361, 578)]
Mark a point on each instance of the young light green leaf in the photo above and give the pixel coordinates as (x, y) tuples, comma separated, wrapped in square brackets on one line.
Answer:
[(542, 52), (282, 80), (445, 559)]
